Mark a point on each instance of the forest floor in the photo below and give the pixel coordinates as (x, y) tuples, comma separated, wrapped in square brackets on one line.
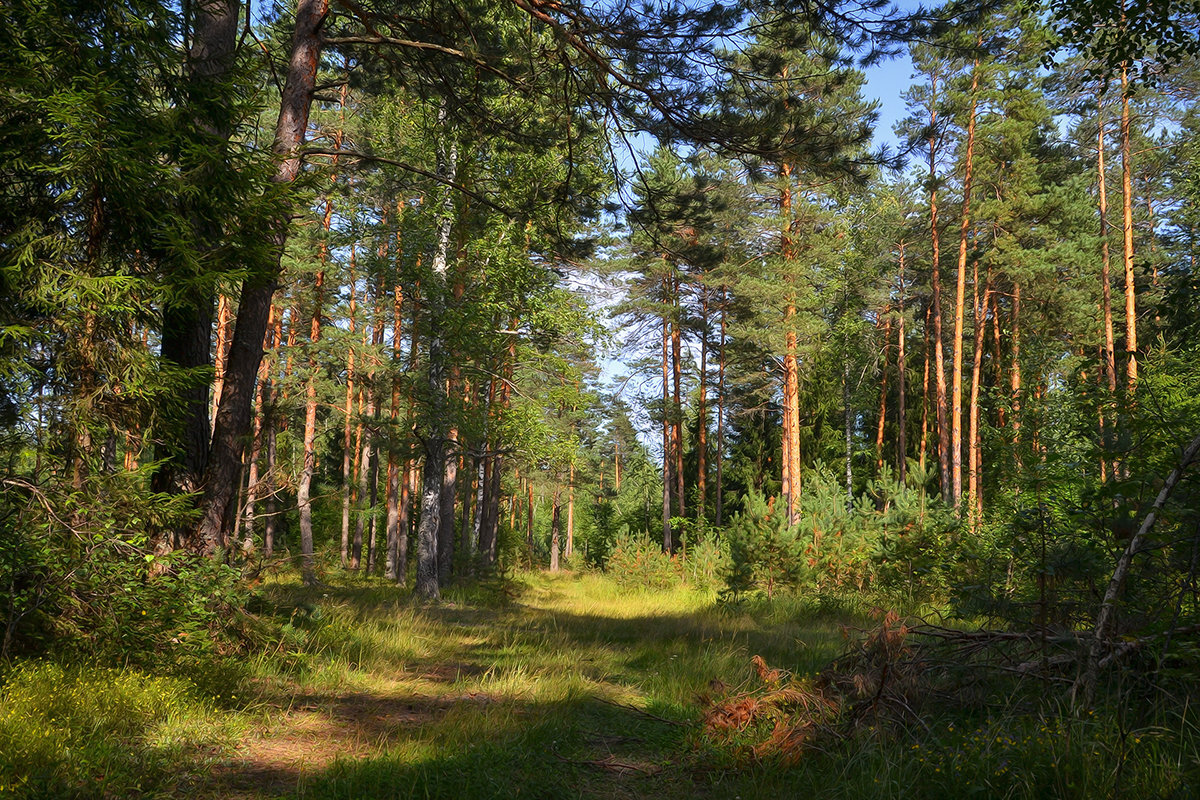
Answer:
[(557, 686), (570, 686)]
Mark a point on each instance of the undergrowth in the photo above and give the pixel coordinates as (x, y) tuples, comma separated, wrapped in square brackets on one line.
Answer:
[(577, 685)]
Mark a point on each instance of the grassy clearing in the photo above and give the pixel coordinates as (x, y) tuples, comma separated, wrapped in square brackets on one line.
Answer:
[(549, 686)]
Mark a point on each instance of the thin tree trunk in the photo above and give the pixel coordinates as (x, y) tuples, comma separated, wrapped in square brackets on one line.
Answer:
[(1015, 372), (569, 549), (391, 567), (975, 470), (224, 325), (555, 524), (702, 411), (960, 303), (847, 420), (883, 386), (924, 445), (901, 386), (261, 401), (1131, 364), (304, 489), (667, 480), (529, 526), (677, 404), (1109, 356), (348, 452), (939, 361), (720, 454)]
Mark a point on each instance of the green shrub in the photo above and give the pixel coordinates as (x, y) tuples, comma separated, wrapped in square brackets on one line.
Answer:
[(638, 561)]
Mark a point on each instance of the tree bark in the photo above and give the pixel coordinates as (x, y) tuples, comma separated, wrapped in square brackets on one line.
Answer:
[(187, 317), (666, 436), (1131, 364), (1108, 361), (901, 385), (233, 414), (939, 360), (720, 454), (262, 402), (975, 468), (555, 524), (348, 452), (881, 420), (435, 425), (702, 412), (959, 304)]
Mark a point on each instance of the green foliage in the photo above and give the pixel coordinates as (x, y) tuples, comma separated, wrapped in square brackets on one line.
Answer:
[(640, 561), (764, 551), (894, 537), (83, 581)]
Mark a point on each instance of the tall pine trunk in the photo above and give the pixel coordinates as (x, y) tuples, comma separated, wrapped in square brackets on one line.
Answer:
[(1131, 364), (901, 386), (935, 311), (975, 468), (720, 454), (666, 437), (233, 413), (960, 302)]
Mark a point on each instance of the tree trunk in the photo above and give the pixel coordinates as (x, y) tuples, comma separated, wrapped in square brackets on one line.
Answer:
[(883, 388), (569, 550), (677, 404), (391, 567), (348, 452), (901, 386), (702, 411), (435, 433), (720, 454), (960, 303), (187, 319), (1108, 362), (233, 414), (1015, 372), (224, 324), (555, 524), (923, 447), (666, 436), (262, 401), (939, 360), (1131, 364), (975, 469)]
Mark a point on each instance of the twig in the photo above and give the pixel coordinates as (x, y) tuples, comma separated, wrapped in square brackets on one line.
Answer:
[(644, 713)]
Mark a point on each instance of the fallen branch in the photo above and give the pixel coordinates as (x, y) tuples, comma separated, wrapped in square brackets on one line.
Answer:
[(1105, 616)]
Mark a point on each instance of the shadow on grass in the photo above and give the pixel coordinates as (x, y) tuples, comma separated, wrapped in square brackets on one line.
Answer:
[(470, 748)]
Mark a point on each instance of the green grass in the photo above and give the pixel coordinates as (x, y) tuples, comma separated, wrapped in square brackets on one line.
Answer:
[(549, 686), (78, 732)]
